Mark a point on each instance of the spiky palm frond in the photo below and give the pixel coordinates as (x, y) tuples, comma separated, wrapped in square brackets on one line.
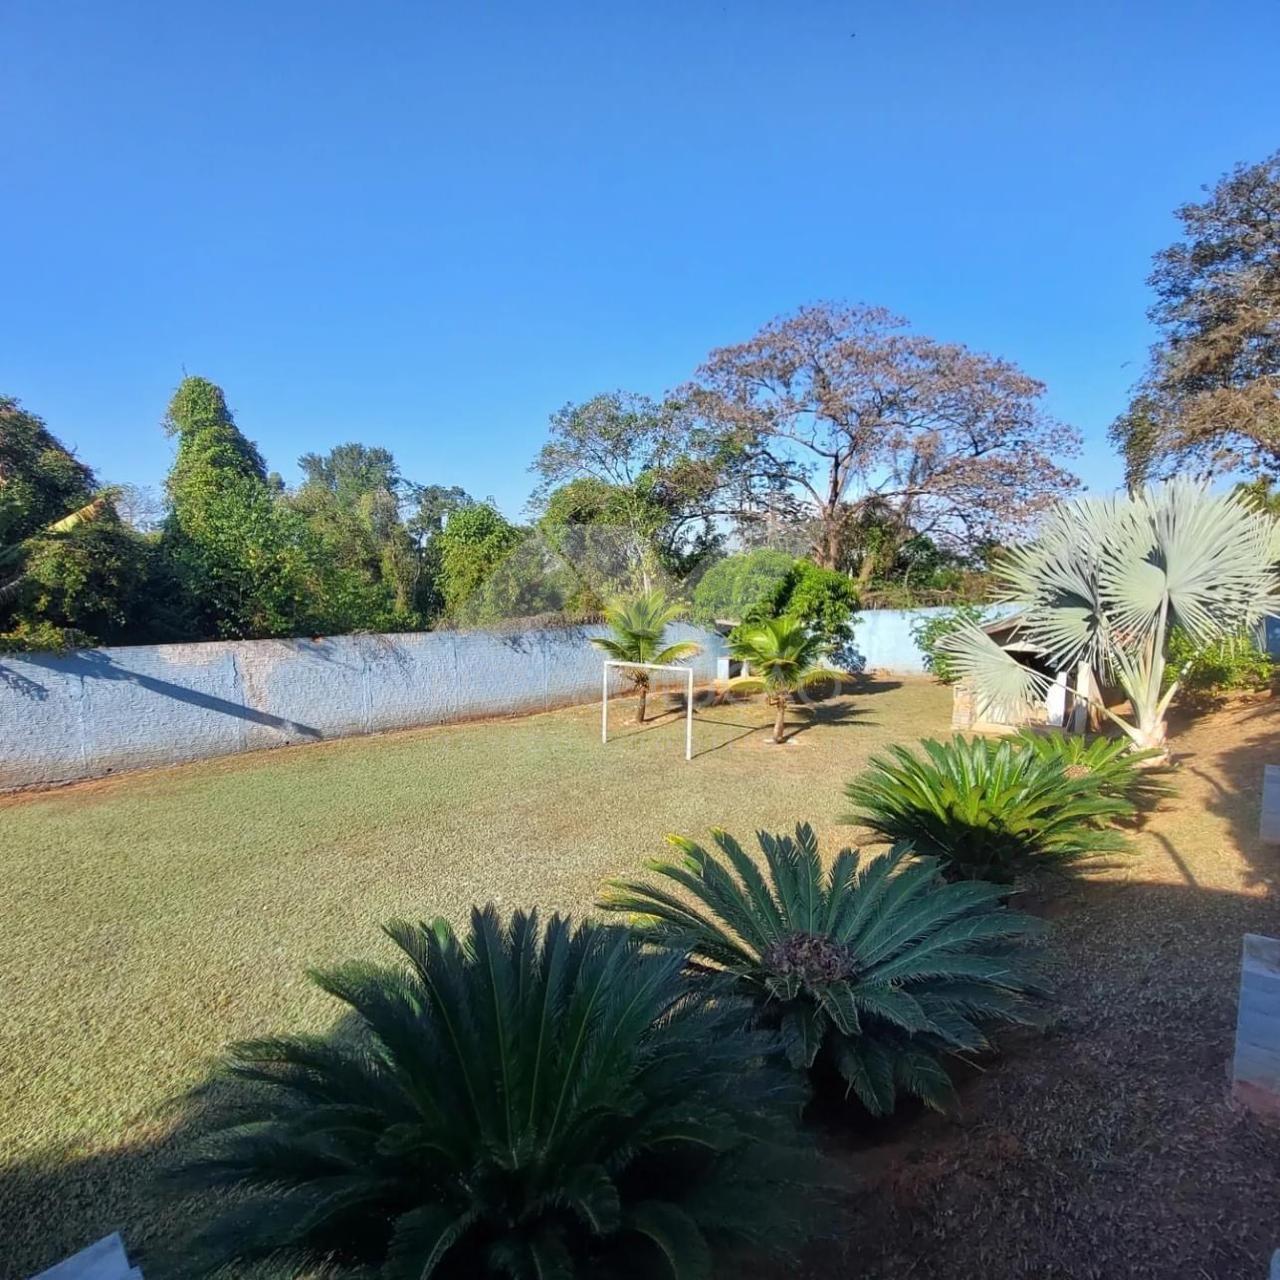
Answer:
[(988, 810), (879, 966), (784, 655), (1107, 580), (1120, 771), (638, 626), (522, 1102)]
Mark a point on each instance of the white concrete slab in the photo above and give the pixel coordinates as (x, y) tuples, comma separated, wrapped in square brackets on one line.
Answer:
[(1270, 824), (103, 1260)]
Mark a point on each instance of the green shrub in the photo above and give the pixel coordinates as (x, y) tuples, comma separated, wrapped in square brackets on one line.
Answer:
[(988, 810), (1232, 665), (928, 633), (734, 585), (877, 969), (1119, 772), (518, 1102), (823, 601)]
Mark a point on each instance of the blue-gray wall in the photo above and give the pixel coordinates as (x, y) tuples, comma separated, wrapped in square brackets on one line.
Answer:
[(883, 637), (98, 711)]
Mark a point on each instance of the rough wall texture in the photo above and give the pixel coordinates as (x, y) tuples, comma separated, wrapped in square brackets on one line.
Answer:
[(883, 637), (98, 711)]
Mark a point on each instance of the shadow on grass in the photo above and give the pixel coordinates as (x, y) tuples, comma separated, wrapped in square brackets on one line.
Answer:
[(1075, 1143)]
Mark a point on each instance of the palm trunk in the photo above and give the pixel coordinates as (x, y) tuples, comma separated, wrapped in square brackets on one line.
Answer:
[(780, 721), (644, 696)]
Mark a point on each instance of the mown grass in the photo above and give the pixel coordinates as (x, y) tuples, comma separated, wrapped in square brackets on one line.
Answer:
[(148, 920)]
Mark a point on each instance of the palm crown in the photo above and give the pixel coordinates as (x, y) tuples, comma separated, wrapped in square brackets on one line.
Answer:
[(521, 1102), (785, 658), (1107, 581), (878, 965), (638, 629)]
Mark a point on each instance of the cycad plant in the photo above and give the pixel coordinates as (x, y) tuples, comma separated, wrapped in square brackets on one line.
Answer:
[(988, 810), (785, 658), (1109, 579), (638, 628), (1118, 770), (877, 969), (518, 1102)]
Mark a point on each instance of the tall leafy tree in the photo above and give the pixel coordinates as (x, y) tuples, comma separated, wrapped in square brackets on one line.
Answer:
[(70, 571), (245, 562), (41, 480), (472, 545), (835, 407), (1210, 398), (352, 498), (658, 478)]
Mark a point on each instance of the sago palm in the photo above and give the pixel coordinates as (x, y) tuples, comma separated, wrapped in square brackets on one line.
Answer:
[(1108, 580), (988, 810), (878, 968), (519, 1102), (785, 658), (1117, 769), (638, 628)]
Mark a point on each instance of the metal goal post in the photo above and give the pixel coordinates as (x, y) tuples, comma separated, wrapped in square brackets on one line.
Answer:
[(650, 666)]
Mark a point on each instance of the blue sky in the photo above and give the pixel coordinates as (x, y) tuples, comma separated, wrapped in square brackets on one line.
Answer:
[(429, 225)]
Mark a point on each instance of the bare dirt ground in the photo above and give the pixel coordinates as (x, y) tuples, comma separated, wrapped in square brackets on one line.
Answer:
[(1105, 1146)]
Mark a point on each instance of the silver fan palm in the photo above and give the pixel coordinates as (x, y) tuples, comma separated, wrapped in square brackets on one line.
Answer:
[(1106, 582)]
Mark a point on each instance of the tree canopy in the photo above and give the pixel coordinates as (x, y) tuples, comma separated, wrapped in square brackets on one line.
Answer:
[(1210, 398), (833, 408)]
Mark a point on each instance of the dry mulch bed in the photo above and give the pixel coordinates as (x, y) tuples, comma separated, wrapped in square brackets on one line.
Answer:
[(1105, 1145)]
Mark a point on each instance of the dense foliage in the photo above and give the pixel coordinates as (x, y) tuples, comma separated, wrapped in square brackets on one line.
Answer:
[(732, 588), (988, 810), (929, 632), (519, 1102), (876, 969), (1232, 664)]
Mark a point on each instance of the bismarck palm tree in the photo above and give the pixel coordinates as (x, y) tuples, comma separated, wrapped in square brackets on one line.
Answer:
[(1108, 580), (639, 628), (785, 658)]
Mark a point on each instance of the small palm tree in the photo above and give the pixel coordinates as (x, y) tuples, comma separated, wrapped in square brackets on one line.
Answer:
[(1107, 582), (785, 657), (513, 1102), (639, 627)]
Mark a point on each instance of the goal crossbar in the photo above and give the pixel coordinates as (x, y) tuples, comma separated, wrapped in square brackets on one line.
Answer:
[(648, 666)]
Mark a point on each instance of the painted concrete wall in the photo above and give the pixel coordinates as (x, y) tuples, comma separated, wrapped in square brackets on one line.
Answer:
[(97, 711), (883, 637)]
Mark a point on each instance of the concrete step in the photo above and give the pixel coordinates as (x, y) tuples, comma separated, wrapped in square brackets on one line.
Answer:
[(1270, 825), (105, 1260)]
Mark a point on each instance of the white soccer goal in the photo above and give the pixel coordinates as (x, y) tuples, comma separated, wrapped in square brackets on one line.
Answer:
[(650, 666)]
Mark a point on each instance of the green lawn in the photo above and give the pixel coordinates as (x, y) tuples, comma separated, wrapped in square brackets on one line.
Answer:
[(150, 919)]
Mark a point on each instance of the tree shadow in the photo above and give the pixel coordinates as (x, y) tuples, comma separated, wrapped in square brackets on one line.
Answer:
[(94, 664), (1069, 1156), (1231, 777)]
